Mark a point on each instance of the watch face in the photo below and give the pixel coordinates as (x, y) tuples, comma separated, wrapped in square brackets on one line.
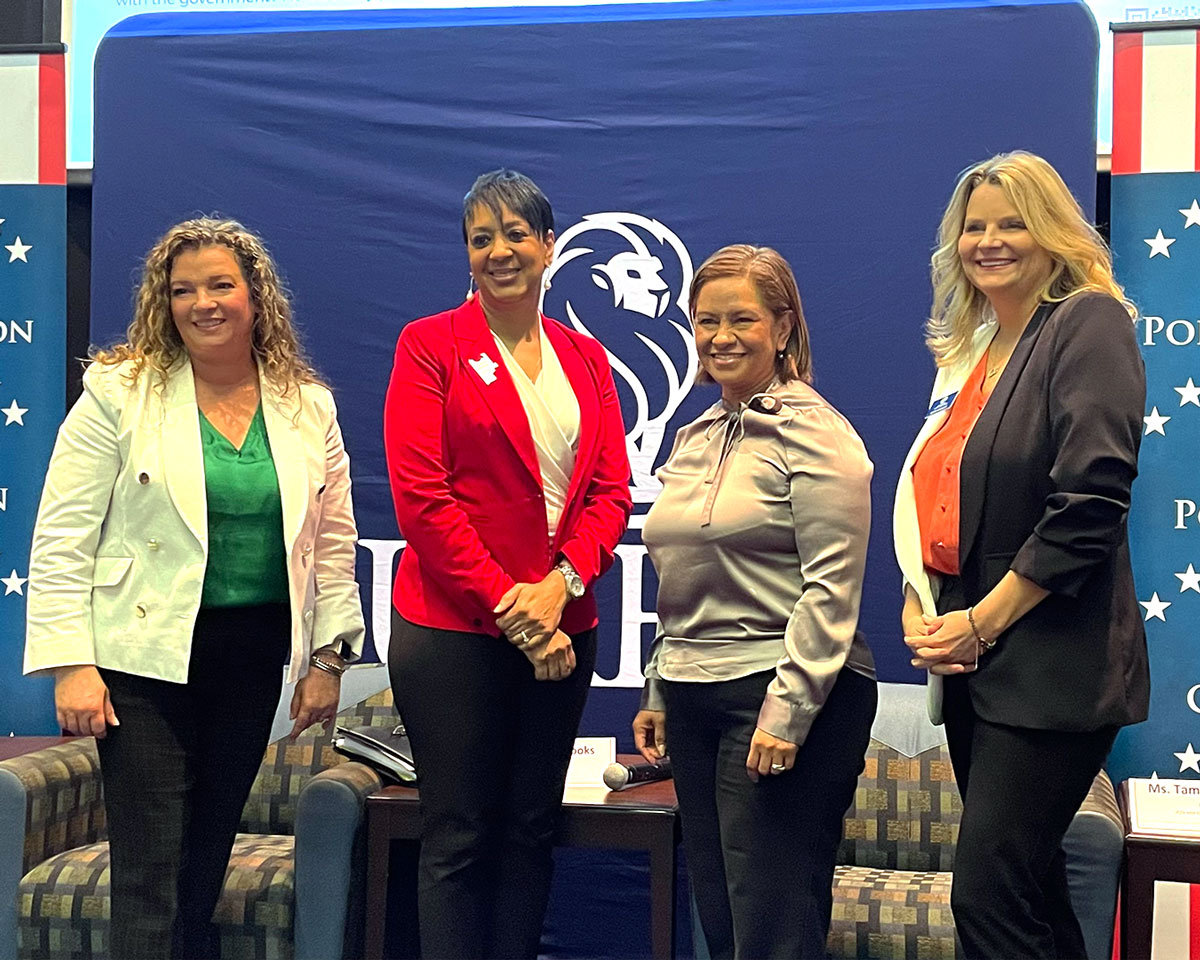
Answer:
[(574, 582)]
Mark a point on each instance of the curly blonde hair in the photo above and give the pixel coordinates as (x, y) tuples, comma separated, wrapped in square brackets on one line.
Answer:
[(1054, 220), (776, 287), (152, 339)]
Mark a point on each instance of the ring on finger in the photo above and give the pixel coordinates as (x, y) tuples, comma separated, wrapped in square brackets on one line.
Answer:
[(778, 767)]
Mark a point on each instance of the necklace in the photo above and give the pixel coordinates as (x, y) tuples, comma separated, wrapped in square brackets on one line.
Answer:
[(995, 365)]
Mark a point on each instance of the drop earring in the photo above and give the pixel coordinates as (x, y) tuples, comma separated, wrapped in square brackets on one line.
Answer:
[(470, 288)]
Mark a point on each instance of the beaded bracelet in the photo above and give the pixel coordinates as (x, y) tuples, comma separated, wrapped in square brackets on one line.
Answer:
[(325, 665)]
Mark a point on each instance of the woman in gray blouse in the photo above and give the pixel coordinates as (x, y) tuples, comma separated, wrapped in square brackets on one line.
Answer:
[(758, 683)]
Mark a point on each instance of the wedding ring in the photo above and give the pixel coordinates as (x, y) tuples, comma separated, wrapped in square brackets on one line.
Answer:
[(778, 767), (523, 637)]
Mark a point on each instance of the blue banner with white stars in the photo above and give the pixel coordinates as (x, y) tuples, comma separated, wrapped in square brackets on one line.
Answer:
[(33, 226), (1156, 244)]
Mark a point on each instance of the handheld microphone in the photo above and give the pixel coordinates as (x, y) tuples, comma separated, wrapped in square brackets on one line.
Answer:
[(620, 776)]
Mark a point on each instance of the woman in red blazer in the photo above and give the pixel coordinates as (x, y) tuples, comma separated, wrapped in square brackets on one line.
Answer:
[(509, 472)]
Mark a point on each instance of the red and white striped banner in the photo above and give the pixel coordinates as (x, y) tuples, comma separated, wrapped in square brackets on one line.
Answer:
[(33, 145), (1176, 921), (1155, 126)]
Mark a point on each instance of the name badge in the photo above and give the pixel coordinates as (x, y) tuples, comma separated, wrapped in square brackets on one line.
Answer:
[(940, 404)]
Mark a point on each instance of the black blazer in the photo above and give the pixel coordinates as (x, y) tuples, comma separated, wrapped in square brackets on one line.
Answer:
[(1044, 490)]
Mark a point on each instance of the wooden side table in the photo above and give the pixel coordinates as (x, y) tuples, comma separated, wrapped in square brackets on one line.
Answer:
[(642, 818), (1148, 859)]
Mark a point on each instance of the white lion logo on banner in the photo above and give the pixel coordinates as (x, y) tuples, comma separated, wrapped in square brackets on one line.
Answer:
[(641, 319)]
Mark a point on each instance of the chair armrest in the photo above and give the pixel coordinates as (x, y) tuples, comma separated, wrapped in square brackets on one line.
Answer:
[(55, 795), (1102, 801), (1094, 845), (329, 853), (50, 802)]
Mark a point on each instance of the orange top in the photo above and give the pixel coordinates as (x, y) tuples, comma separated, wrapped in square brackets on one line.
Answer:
[(935, 475)]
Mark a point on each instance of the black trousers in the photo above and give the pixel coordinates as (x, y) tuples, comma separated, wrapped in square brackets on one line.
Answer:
[(176, 775), (761, 855), (1020, 788), (491, 745)]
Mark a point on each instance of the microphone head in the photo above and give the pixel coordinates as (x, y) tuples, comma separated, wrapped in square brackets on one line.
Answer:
[(616, 776)]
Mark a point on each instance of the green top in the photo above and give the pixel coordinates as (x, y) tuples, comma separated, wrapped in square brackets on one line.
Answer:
[(247, 562)]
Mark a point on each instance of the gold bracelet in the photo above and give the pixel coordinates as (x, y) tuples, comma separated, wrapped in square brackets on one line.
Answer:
[(984, 644)]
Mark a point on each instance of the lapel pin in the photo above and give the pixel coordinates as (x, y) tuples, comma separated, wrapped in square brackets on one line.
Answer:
[(486, 367)]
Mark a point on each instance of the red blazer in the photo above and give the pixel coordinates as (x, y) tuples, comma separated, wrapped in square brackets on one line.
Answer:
[(465, 476)]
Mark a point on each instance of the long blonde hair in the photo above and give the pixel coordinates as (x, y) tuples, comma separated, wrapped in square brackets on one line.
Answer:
[(1055, 222), (152, 339), (776, 287)]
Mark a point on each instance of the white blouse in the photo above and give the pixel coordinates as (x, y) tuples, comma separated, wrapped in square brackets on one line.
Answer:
[(553, 412)]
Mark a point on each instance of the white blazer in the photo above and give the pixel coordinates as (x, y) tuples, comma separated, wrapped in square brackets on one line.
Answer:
[(121, 541), (906, 529)]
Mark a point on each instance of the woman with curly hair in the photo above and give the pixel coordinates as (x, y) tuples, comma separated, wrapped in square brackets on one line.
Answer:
[(1010, 530), (195, 535)]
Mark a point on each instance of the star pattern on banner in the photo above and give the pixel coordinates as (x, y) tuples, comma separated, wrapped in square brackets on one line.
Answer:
[(1155, 422), (1189, 759), (13, 583), (1191, 215), (17, 250), (1188, 393), (1155, 609), (14, 414), (1159, 244), (1189, 579)]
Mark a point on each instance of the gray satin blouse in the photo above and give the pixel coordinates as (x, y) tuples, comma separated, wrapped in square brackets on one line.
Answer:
[(759, 538)]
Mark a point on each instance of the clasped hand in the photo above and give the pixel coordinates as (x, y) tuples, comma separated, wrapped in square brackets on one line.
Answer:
[(943, 644), (552, 659), (529, 613)]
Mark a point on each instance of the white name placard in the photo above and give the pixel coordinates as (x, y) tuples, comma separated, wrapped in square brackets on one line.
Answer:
[(589, 758), (1165, 808)]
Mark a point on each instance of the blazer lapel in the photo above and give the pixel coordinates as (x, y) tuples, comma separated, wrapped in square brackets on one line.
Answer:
[(287, 450), (183, 455), (482, 366), (978, 450)]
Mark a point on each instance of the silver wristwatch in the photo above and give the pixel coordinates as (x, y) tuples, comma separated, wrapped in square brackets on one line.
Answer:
[(575, 588)]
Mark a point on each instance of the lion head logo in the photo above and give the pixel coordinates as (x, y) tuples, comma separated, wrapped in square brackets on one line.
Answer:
[(636, 305)]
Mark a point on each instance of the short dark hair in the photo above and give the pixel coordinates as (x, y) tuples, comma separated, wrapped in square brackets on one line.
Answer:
[(508, 188)]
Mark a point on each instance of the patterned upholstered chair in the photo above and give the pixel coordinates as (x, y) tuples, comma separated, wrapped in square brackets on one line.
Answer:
[(892, 890), (291, 866)]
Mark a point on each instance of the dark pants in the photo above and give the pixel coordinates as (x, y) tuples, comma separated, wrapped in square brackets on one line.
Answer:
[(491, 745), (1020, 790), (761, 855), (176, 774)]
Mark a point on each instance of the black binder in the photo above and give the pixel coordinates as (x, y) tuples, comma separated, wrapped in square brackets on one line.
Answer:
[(386, 751)]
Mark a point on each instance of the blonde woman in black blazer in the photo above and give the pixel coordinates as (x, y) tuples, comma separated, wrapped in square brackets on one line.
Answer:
[(1034, 629)]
